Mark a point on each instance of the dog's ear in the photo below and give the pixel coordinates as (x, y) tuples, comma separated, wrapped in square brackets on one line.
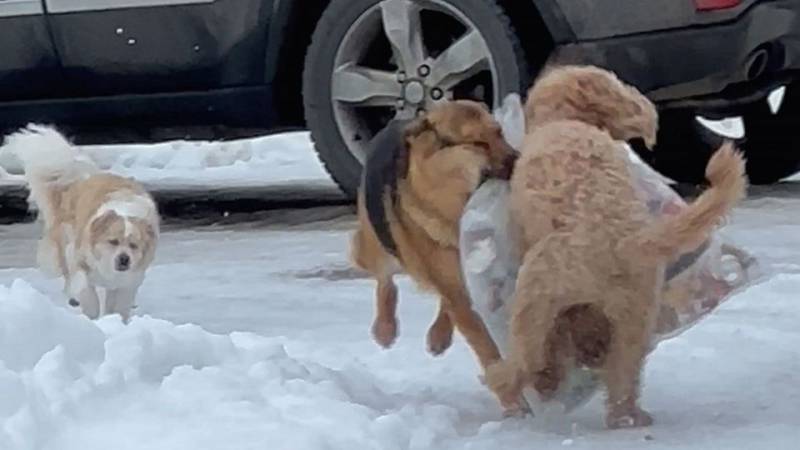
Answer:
[(101, 223), (151, 231)]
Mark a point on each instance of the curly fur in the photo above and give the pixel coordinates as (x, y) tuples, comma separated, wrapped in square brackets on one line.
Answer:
[(593, 266), (593, 96)]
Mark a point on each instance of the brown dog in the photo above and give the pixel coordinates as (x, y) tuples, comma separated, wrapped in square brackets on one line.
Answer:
[(415, 186), (590, 281)]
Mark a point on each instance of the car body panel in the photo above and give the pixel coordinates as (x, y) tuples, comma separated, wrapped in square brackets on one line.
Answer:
[(557, 24), (282, 11), (711, 67), (177, 46), (73, 6), (29, 66), (590, 20)]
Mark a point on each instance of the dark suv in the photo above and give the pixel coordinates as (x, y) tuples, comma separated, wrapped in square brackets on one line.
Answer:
[(147, 70)]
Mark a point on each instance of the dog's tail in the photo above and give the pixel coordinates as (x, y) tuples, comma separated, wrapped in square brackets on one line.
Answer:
[(687, 230), (50, 162)]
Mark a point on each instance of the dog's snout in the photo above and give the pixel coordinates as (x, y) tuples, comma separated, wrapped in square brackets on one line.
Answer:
[(123, 262)]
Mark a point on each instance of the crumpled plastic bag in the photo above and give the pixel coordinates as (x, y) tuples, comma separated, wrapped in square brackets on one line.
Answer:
[(696, 283)]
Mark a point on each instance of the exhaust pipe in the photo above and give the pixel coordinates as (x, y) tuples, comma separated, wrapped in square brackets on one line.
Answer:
[(757, 64)]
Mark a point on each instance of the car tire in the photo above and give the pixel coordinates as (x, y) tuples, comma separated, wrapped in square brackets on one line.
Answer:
[(339, 19), (684, 147), (772, 143)]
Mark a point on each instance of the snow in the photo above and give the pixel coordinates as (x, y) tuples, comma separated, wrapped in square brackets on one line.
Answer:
[(279, 159), (256, 335)]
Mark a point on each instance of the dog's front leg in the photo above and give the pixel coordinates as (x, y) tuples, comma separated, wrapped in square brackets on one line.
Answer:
[(80, 289), (440, 334), (384, 328), (457, 303), (120, 301), (367, 254), (474, 330)]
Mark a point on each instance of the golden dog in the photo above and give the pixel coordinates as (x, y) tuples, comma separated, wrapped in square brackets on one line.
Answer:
[(593, 267)]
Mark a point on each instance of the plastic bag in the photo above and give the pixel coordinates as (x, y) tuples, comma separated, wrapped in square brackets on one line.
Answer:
[(696, 283)]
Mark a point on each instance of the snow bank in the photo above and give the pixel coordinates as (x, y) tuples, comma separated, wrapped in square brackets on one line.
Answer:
[(278, 158), (70, 383)]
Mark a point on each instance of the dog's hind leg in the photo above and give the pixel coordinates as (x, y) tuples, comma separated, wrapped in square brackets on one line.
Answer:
[(440, 334), (544, 288), (527, 363), (630, 342), (539, 296)]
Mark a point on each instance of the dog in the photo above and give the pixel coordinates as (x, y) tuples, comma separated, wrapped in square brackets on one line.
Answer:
[(594, 259), (415, 184), (99, 230)]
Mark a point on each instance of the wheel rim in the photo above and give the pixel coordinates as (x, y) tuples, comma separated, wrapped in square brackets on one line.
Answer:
[(389, 65)]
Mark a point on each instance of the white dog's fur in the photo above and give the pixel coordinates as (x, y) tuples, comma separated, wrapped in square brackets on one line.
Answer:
[(100, 229)]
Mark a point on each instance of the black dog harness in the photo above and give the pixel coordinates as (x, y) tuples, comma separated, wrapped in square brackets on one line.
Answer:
[(380, 175)]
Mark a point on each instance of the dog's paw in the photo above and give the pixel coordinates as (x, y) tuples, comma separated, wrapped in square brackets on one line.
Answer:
[(74, 303), (439, 340), (546, 382), (517, 411), (385, 333), (629, 419)]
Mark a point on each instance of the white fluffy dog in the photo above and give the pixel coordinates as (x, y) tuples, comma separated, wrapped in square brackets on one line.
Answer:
[(100, 229)]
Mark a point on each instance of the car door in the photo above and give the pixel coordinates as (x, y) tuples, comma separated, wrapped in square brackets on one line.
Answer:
[(113, 47), (29, 67)]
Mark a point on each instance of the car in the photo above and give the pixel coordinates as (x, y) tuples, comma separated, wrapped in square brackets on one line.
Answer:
[(150, 70)]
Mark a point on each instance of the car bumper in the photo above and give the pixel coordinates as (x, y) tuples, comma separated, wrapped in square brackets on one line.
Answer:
[(713, 67)]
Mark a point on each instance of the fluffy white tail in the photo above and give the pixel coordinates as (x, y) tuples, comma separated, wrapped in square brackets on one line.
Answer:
[(50, 162)]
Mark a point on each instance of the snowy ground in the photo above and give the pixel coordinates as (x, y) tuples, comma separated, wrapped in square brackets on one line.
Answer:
[(255, 335)]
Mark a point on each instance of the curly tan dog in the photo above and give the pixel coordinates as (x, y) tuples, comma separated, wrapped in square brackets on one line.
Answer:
[(414, 189), (589, 285)]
